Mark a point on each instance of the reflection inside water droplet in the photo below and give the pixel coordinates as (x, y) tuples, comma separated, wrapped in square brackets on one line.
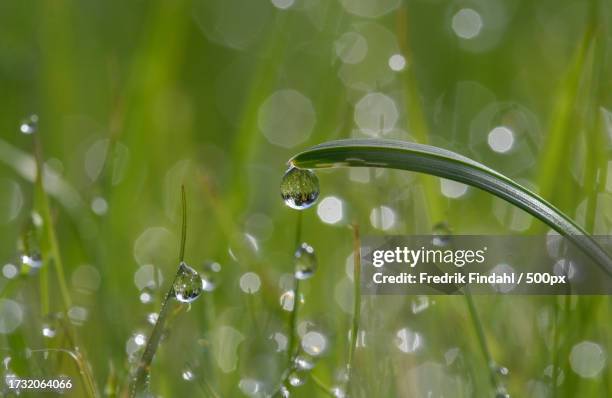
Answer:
[(305, 261), (299, 188), (188, 285)]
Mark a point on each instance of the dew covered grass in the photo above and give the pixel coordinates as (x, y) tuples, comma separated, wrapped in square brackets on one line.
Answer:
[(134, 99)]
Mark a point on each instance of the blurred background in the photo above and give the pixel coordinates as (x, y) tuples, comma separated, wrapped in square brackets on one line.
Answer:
[(135, 98)]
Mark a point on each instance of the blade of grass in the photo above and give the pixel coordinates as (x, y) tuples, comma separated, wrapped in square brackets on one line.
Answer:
[(54, 257), (447, 164), (356, 299), (140, 380)]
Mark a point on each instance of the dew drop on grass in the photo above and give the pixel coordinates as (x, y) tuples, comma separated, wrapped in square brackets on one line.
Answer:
[(303, 363), (187, 375), (31, 260), (48, 331), (305, 261), (29, 125), (284, 392), (188, 284), (338, 392), (152, 317), (295, 379), (441, 234), (299, 188), (287, 300)]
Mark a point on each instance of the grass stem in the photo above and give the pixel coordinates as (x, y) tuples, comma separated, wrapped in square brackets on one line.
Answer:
[(356, 299), (140, 381)]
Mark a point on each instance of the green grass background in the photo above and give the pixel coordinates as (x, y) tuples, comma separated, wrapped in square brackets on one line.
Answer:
[(181, 108)]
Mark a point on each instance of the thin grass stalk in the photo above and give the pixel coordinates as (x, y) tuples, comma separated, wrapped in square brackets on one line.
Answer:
[(356, 299), (482, 339), (140, 381), (292, 347), (87, 377)]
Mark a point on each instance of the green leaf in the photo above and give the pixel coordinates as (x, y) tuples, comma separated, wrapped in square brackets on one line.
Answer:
[(447, 164)]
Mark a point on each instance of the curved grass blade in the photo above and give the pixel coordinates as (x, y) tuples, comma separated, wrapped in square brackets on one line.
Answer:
[(447, 164)]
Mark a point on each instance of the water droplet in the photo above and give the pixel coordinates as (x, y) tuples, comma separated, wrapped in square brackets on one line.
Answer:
[(314, 343), (250, 387), (31, 260), (287, 300), (284, 392), (145, 296), (502, 393), (29, 125), (187, 375), (502, 370), (303, 362), (187, 285), (295, 380), (338, 392), (408, 341), (305, 261), (48, 331), (299, 188), (441, 234), (152, 317)]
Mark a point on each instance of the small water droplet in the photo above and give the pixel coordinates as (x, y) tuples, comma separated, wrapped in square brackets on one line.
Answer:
[(187, 285), (29, 125), (299, 188), (31, 260), (287, 300), (295, 379), (303, 363), (502, 394), (284, 392), (305, 261), (503, 371), (338, 392), (187, 375), (152, 317), (441, 234), (48, 331)]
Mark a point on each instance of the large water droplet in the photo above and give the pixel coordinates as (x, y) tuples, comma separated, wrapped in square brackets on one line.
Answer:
[(29, 125), (187, 285), (305, 261), (299, 188)]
